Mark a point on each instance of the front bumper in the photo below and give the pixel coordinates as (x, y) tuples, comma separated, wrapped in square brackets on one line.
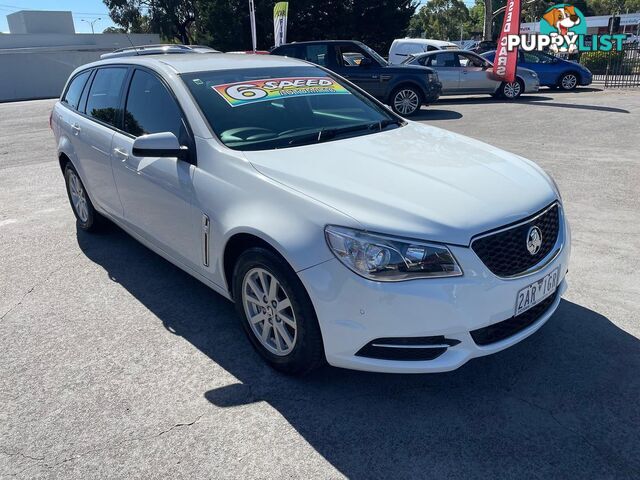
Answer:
[(353, 311), (532, 85), (586, 78)]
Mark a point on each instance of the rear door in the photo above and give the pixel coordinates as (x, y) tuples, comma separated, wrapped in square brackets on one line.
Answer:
[(156, 193), (94, 131), (448, 69)]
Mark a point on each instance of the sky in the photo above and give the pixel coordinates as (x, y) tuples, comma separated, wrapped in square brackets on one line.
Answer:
[(84, 11)]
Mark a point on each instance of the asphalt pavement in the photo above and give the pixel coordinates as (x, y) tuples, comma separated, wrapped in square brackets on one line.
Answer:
[(115, 364)]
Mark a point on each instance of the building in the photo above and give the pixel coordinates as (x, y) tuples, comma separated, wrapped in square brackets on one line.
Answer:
[(42, 49)]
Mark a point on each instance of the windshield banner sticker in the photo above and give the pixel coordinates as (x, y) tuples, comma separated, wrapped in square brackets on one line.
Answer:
[(252, 91)]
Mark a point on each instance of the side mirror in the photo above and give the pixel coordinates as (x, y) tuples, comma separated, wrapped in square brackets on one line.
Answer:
[(366, 62), (163, 144)]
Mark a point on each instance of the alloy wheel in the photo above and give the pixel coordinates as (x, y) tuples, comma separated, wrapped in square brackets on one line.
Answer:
[(569, 81), (512, 90), (78, 197), (406, 101), (269, 311)]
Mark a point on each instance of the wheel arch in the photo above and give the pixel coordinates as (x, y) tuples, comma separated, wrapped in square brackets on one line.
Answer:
[(238, 243), (405, 82)]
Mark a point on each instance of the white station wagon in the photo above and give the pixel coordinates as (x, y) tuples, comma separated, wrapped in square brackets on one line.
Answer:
[(341, 231)]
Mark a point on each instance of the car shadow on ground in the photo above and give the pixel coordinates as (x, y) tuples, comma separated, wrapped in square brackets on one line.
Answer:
[(575, 90), (434, 114), (561, 404)]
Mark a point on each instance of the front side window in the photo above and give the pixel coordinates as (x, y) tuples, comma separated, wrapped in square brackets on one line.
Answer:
[(150, 108), (103, 102), (72, 97), (350, 56), (269, 108), (469, 60)]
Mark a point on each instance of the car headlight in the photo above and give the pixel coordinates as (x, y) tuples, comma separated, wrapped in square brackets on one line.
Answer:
[(389, 259), (534, 74)]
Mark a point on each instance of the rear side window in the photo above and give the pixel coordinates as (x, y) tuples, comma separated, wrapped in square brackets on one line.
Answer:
[(318, 54), (287, 51), (151, 108), (103, 103), (444, 60), (72, 97)]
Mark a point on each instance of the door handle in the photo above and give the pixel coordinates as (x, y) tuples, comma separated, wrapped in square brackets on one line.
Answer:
[(121, 153), (76, 128), (465, 72), (374, 76)]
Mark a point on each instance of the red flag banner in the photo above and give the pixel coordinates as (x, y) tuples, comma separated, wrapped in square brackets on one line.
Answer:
[(504, 65)]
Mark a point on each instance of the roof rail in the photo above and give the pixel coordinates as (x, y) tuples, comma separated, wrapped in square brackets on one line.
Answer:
[(157, 49)]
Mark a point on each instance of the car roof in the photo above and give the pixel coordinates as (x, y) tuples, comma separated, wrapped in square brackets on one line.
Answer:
[(188, 63), (319, 41), (435, 52), (423, 41)]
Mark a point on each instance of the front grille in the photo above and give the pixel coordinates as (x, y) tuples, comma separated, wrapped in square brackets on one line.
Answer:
[(507, 328), (505, 252), (407, 348)]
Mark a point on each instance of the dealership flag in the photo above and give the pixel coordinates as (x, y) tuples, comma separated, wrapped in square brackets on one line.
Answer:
[(280, 12), (504, 65), (252, 18)]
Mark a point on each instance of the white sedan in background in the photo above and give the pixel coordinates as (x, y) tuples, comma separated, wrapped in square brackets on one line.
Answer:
[(341, 231)]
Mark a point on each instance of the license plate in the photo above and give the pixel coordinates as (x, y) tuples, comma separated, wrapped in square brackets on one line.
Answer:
[(536, 292)]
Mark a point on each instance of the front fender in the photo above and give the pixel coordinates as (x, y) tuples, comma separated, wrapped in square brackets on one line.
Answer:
[(239, 199)]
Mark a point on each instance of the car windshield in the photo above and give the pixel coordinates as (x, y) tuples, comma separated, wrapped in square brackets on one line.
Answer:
[(269, 108)]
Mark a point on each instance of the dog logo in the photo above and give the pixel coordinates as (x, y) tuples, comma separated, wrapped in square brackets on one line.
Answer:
[(565, 21), (534, 240)]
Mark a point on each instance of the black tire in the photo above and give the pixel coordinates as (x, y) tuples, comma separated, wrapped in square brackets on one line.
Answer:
[(510, 91), (569, 81), (89, 221), (308, 351), (406, 91)]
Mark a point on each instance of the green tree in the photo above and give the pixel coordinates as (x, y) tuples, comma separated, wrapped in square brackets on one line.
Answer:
[(608, 7), (440, 19), (173, 19), (473, 27), (224, 24), (114, 30)]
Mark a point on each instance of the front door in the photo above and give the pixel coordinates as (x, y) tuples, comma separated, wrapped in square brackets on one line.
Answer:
[(359, 67), (542, 64), (156, 193), (474, 76)]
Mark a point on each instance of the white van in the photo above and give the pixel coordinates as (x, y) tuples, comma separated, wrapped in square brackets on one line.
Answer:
[(401, 48)]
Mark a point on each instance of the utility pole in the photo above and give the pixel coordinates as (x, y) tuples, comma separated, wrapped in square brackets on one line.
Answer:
[(487, 31)]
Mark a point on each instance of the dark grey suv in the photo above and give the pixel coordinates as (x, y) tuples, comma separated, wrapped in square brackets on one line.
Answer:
[(404, 88)]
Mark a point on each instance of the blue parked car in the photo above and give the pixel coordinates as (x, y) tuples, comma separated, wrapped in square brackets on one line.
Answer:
[(552, 71)]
